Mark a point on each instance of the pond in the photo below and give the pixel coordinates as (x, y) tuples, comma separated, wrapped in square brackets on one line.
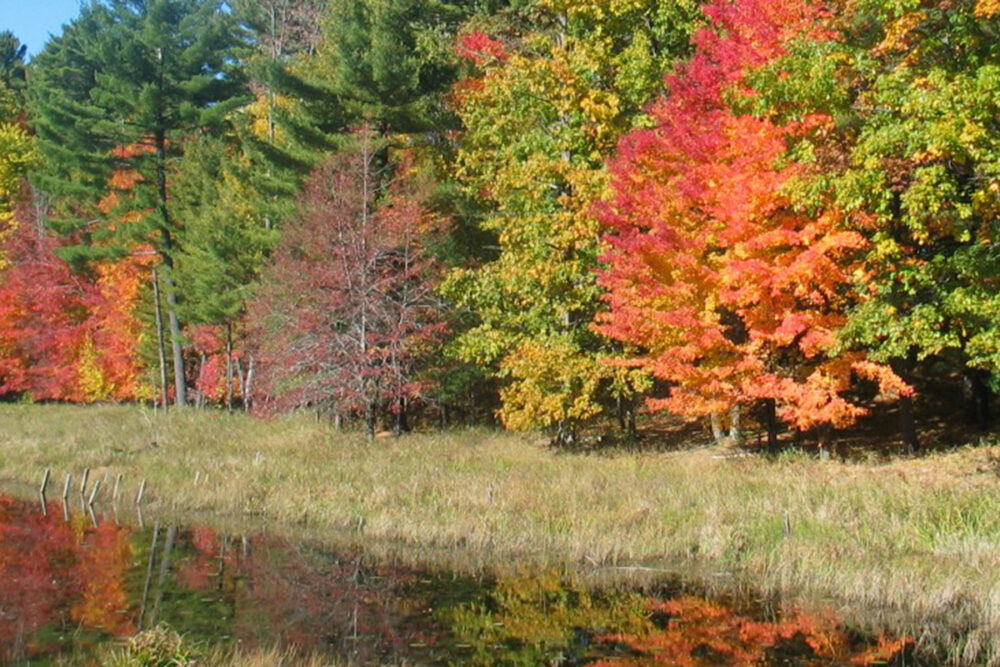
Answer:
[(74, 586)]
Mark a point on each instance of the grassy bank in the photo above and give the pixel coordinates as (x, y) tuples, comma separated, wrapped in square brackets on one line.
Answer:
[(910, 545)]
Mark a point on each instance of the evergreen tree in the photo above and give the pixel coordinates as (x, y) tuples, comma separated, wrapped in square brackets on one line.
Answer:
[(120, 91)]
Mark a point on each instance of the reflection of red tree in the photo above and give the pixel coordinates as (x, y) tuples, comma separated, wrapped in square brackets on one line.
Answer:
[(314, 602), (196, 573), (700, 632), (104, 557), (52, 572), (35, 557)]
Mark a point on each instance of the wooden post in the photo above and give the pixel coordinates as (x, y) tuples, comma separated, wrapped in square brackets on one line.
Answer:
[(787, 526), (83, 483), (114, 494), (45, 482), (142, 490), (65, 495), (94, 492)]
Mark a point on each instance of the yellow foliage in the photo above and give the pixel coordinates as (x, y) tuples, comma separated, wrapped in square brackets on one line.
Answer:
[(554, 383), (986, 9), (93, 384), (17, 155)]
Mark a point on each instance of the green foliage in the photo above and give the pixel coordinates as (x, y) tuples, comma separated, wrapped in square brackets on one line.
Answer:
[(228, 235), (915, 161), (538, 123), (388, 62), (119, 91)]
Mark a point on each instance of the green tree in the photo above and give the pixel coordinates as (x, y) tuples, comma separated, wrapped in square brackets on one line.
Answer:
[(226, 240), (17, 149), (120, 91), (545, 103), (389, 62)]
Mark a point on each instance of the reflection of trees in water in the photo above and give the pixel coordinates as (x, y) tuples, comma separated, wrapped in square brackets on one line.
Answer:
[(67, 585), (527, 620), (694, 631), (59, 577)]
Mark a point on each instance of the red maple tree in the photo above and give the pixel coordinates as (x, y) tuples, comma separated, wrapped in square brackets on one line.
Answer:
[(734, 292)]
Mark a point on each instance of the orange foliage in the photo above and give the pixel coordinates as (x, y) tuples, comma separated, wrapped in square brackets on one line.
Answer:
[(700, 633), (104, 558), (734, 292)]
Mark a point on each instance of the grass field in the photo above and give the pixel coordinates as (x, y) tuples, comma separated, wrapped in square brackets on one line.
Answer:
[(911, 545)]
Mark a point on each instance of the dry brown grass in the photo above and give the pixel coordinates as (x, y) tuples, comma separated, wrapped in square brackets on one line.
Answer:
[(910, 545)]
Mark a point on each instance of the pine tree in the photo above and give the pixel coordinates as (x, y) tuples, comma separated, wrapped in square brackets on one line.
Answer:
[(122, 88)]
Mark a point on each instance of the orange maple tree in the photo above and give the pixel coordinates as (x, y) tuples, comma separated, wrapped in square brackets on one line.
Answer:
[(734, 293)]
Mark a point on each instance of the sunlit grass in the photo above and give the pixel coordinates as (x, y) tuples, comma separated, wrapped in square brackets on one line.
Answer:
[(907, 545)]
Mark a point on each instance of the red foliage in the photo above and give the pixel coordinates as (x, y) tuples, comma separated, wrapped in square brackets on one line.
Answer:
[(480, 48), (67, 336), (209, 344), (52, 572), (735, 294), (43, 319), (347, 307)]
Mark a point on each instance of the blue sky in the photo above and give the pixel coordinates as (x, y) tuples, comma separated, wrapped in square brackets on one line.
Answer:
[(32, 21)]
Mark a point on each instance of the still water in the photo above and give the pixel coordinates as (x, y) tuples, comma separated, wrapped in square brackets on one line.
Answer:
[(74, 585)]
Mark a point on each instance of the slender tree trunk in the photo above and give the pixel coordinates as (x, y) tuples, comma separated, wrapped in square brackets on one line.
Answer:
[(771, 422), (402, 424), (735, 434), (248, 386), (168, 547), (371, 417), (166, 253), (978, 399), (907, 418), (717, 431), (160, 348), (180, 387), (229, 366), (908, 425)]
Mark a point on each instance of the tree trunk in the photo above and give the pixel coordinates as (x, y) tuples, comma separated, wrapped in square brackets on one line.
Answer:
[(978, 398), (717, 431), (166, 254), (229, 367), (180, 388), (771, 422), (248, 385), (908, 425), (402, 425), (632, 431), (907, 418), (371, 416), (735, 434), (160, 347)]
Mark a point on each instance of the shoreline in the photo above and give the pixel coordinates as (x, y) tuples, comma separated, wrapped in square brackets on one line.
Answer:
[(907, 546)]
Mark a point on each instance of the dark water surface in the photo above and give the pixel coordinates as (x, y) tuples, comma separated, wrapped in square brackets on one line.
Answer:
[(70, 588)]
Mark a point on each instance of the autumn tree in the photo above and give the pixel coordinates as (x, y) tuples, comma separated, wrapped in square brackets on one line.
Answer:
[(348, 304), (734, 292), (127, 73), (545, 100), (912, 160)]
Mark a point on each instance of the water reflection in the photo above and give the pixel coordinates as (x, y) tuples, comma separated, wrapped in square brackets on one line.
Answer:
[(69, 586)]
